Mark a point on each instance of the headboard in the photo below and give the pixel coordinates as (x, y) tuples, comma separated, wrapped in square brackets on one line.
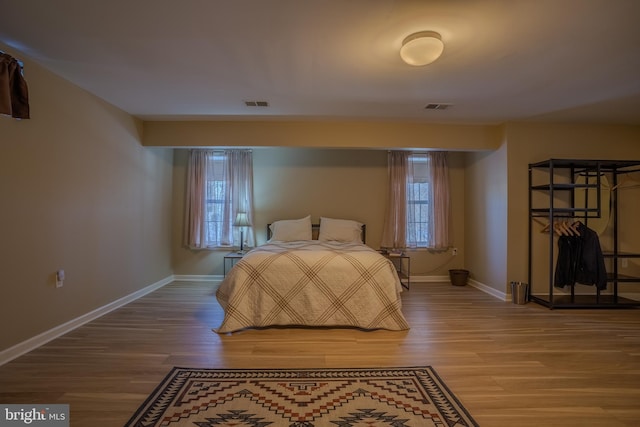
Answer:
[(315, 230)]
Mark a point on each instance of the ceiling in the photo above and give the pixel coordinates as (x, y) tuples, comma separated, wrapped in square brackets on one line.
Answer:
[(504, 60)]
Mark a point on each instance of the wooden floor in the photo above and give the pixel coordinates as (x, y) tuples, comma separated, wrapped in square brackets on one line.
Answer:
[(510, 365)]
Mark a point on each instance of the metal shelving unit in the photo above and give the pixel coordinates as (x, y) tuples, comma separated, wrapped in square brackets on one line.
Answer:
[(552, 190)]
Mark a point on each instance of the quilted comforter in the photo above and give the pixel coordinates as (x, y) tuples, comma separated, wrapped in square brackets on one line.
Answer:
[(312, 283)]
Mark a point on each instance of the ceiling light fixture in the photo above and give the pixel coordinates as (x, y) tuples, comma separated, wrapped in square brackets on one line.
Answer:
[(421, 48)]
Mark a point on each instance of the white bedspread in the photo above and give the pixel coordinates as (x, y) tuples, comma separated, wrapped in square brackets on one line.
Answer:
[(312, 283)]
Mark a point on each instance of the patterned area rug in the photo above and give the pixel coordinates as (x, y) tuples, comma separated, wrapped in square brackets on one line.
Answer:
[(395, 397)]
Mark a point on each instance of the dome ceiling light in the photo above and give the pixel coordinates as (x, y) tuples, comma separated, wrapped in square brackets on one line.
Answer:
[(421, 48)]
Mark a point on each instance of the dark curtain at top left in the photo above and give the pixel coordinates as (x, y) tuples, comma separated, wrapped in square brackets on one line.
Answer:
[(14, 96)]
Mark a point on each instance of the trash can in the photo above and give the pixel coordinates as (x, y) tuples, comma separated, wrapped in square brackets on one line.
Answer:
[(458, 277), (519, 292)]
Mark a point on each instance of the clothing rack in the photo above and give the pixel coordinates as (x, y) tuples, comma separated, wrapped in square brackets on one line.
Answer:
[(553, 210)]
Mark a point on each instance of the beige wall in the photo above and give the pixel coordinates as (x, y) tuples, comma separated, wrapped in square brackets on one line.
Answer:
[(489, 205), (79, 192), (322, 134), (497, 185), (294, 182), (529, 143), (486, 203)]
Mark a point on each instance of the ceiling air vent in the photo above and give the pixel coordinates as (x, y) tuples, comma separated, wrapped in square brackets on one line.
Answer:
[(256, 103), (437, 106)]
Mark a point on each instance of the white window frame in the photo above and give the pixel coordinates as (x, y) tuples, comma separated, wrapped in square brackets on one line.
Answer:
[(419, 209), (215, 206)]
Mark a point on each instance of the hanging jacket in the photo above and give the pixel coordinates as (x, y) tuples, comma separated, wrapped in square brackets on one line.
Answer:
[(580, 260), (14, 95), (569, 255)]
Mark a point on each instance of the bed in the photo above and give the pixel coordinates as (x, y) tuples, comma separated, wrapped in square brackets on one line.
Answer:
[(296, 279)]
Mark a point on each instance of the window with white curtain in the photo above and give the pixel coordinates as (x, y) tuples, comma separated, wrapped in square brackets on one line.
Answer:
[(418, 203), (219, 186), (216, 222)]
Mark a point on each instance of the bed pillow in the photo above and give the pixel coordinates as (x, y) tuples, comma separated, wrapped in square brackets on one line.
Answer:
[(340, 230), (289, 230)]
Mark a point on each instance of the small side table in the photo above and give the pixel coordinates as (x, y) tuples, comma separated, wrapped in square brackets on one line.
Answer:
[(232, 258), (402, 263)]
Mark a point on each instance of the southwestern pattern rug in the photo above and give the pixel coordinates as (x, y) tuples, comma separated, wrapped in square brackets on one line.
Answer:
[(394, 397)]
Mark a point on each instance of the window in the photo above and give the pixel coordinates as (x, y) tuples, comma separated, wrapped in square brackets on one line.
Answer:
[(418, 203), (418, 209), (216, 223), (220, 184)]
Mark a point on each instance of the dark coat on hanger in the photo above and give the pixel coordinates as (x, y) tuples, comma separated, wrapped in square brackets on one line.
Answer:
[(580, 260), (14, 95)]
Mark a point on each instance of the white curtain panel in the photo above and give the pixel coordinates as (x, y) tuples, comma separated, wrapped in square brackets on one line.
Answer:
[(395, 223), (219, 185)]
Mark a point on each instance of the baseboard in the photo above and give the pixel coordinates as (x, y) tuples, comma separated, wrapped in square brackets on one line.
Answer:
[(198, 278), (414, 279), (503, 296), (429, 279), (43, 338), (473, 283)]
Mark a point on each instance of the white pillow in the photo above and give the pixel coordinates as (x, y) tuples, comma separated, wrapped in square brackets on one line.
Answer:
[(340, 230), (289, 230)]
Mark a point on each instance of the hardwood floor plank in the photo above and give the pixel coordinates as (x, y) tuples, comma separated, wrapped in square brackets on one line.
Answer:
[(508, 364)]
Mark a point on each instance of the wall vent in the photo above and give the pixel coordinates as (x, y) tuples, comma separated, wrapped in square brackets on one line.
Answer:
[(256, 103), (437, 106)]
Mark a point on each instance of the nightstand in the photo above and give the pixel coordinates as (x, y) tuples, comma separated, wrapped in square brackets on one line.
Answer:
[(232, 258), (402, 264)]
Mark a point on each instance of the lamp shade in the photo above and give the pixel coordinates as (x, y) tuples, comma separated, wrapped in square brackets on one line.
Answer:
[(421, 48), (242, 220)]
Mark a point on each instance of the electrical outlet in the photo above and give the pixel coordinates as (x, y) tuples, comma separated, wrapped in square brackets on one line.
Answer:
[(454, 251), (624, 262), (59, 278)]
